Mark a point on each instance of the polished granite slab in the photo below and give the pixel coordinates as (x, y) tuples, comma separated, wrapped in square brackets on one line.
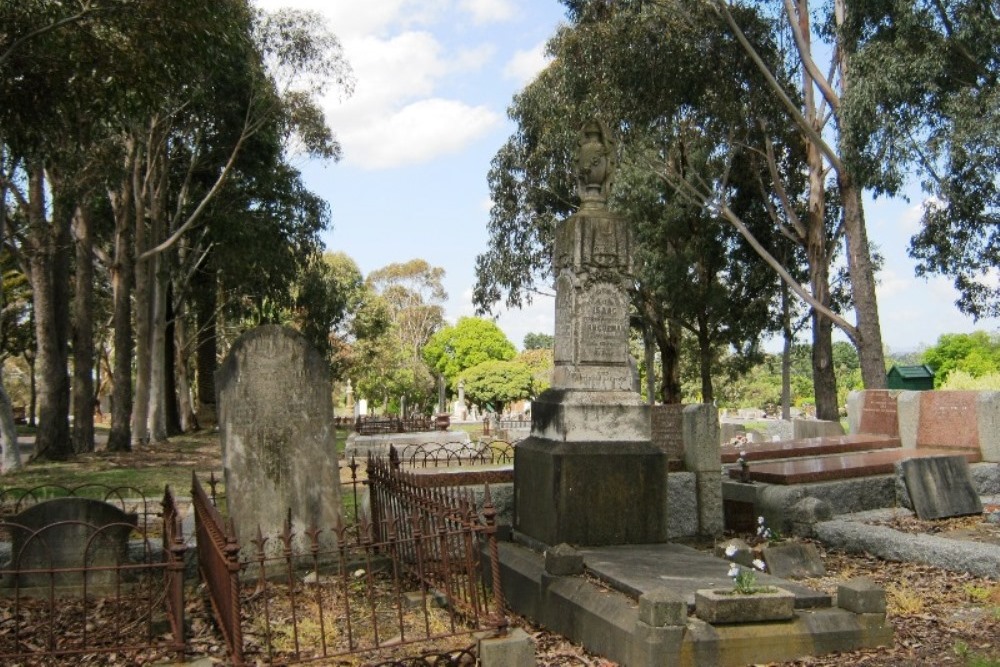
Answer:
[(761, 451), (841, 466)]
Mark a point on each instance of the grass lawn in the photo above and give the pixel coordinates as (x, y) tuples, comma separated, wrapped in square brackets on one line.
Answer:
[(148, 469)]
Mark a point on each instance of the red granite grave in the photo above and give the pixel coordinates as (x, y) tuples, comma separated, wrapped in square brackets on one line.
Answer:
[(845, 444), (842, 466), (878, 413), (949, 420)]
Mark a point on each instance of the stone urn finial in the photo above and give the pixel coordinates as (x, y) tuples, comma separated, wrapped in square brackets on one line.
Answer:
[(595, 163)]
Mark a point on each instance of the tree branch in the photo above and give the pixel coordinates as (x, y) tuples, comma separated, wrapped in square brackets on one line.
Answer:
[(82, 14), (804, 126), (692, 194), (805, 55)]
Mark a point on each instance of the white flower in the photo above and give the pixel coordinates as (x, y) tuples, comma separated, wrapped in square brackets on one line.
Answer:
[(731, 551), (359, 573), (760, 521), (759, 564), (734, 570)]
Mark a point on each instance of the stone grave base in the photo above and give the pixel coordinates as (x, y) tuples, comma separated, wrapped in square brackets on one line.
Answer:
[(590, 493), (359, 446), (610, 624)]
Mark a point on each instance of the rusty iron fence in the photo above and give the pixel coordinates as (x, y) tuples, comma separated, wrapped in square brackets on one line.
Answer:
[(403, 580), (72, 590)]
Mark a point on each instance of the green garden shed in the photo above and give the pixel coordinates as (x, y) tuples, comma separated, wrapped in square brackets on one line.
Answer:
[(915, 378)]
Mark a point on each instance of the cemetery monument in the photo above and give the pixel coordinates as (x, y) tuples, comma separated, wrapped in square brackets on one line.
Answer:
[(588, 474)]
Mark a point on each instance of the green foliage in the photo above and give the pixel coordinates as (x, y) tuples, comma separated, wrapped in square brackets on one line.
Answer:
[(493, 384), (976, 353), (960, 380), (925, 95), (538, 341), (541, 363), (471, 341)]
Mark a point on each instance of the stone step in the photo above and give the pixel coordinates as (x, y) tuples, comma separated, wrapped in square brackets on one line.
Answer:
[(805, 447), (842, 466)]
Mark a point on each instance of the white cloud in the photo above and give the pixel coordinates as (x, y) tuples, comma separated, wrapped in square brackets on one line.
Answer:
[(418, 132), (891, 284), (525, 65), (488, 11)]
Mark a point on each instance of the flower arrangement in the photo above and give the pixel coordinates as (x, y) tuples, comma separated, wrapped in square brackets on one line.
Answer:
[(744, 578), (767, 533)]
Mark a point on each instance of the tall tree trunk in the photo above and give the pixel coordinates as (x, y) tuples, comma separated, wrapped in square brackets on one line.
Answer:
[(49, 269), (824, 378), (705, 361), (649, 362), (10, 452), (171, 408), (206, 362), (122, 271), (786, 352), (29, 358), (182, 345), (83, 334), (158, 354), (859, 260), (668, 339), (143, 328)]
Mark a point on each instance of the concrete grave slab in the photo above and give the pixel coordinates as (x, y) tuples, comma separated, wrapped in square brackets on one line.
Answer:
[(793, 560), (940, 487)]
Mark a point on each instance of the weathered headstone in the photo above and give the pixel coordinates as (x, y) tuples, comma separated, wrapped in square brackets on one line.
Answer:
[(589, 474), (940, 486), (66, 534), (276, 426)]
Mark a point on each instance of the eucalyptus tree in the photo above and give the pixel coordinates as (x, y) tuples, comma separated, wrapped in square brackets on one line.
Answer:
[(809, 108), (413, 294), (685, 108), (926, 98)]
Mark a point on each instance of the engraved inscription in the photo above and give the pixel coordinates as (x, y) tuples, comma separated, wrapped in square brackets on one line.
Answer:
[(604, 326), (666, 429)]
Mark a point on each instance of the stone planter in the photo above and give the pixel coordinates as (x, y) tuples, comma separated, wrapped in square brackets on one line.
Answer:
[(726, 606)]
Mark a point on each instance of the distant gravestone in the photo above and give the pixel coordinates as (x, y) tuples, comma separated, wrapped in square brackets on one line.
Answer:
[(940, 486), (276, 426), (68, 534)]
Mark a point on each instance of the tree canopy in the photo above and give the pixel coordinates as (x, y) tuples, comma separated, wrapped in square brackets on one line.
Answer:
[(467, 343)]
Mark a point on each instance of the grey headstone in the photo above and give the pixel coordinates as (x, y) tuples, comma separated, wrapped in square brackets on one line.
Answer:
[(793, 560), (276, 426), (940, 486), (70, 533)]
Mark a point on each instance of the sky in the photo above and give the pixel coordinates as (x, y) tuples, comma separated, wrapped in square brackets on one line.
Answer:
[(433, 80)]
